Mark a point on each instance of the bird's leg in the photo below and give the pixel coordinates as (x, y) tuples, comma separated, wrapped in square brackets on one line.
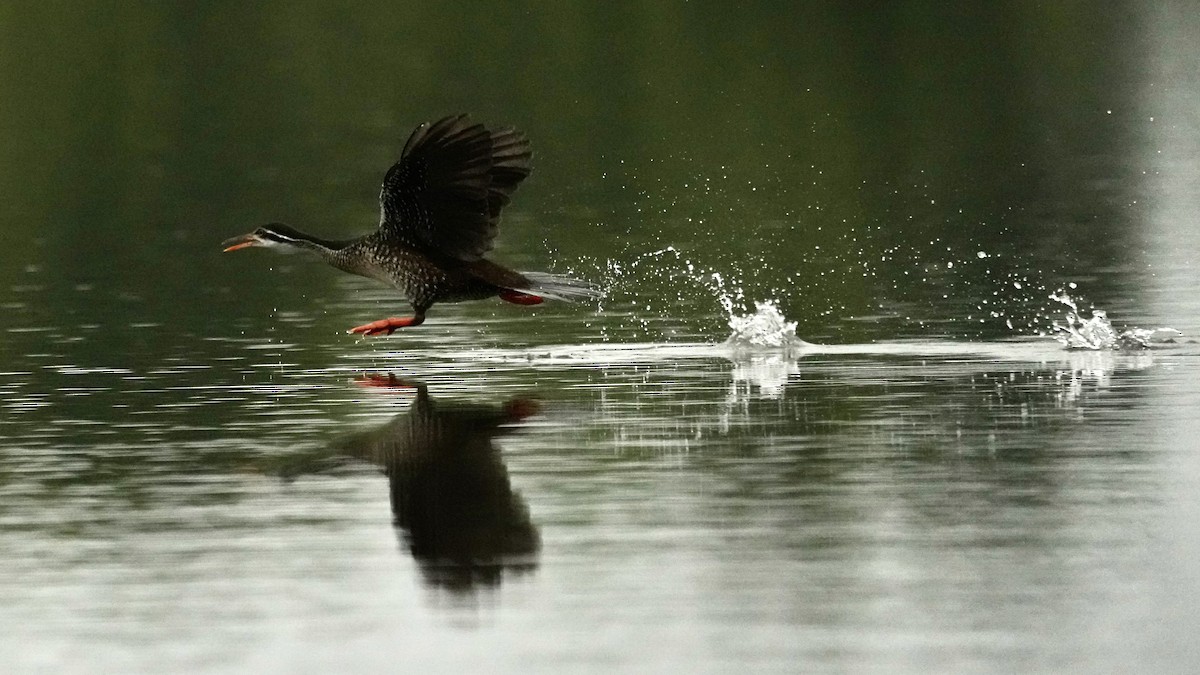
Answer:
[(520, 408), (519, 298), (388, 381), (388, 325)]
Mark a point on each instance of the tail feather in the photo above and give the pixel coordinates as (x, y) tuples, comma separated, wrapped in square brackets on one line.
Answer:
[(559, 287)]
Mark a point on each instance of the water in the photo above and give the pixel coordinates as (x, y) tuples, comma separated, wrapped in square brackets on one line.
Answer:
[(887, 378), (1097, 332)]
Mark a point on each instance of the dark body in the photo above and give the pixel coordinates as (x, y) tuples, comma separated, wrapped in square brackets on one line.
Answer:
[(418, 276)]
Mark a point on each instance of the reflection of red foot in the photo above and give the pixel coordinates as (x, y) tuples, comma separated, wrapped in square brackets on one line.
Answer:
[(388, 381), (520, 408), (387, 325), (519, 298)]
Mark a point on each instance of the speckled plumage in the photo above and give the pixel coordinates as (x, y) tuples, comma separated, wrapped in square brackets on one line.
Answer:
[(412, 272), (439, 210)]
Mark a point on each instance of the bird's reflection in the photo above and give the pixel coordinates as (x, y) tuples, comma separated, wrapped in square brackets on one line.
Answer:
[(453, 503)]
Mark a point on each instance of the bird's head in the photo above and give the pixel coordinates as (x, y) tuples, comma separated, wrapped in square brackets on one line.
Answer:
[(275, 235)]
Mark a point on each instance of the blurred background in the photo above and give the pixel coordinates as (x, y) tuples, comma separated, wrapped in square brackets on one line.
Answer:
[(852, 162), (191, 448)]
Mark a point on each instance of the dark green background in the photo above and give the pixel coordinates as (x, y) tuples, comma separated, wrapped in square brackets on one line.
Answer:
[(832, 156)]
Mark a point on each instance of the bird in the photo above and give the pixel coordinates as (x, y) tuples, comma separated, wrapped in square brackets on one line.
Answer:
[(439, 212)]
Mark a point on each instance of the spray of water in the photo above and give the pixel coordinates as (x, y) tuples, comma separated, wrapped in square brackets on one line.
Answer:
[(662, 294), (765, 327), (1097, 333)]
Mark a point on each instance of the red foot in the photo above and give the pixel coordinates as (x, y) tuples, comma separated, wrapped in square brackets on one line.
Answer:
[(389, 381), (520, 408), (519, 298), (387, 325)]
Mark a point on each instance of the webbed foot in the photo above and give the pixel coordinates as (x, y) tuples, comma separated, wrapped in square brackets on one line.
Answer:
[(387, 326)]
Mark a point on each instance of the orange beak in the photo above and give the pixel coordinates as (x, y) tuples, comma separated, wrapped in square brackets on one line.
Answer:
[(244, 241)]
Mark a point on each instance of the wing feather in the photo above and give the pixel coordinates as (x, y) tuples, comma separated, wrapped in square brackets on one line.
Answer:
[(446, 192)]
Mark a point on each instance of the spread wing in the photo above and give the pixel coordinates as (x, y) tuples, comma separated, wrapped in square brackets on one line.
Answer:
[(453, 179)]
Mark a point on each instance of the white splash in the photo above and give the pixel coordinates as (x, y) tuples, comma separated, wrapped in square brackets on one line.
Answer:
[(767, 375), (1097, 332), (765, 328), (764, 350)]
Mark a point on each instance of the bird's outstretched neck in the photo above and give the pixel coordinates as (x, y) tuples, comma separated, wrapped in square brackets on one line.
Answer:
[(286, 237)]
